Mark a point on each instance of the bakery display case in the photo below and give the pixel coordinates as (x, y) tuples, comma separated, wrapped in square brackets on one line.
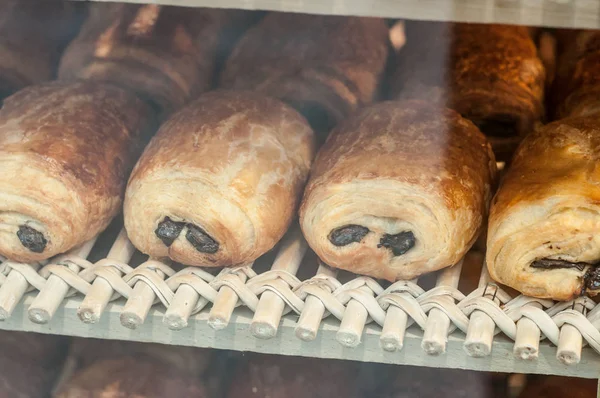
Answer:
[(395, 182)]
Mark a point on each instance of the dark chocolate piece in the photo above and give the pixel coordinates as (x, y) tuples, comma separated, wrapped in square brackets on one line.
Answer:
[(498, 125), (168, 230), (399, 243), (547, 263), (592, 279), (32, 239), (201, 240), (347, 234)]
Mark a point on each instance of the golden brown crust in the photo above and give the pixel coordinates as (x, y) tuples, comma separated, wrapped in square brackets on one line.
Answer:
[(325, 66), (548, 207), (577, 85), (32, 36), (66, 150), (232, 164), (484, 72), (399, 166), (165, 54)]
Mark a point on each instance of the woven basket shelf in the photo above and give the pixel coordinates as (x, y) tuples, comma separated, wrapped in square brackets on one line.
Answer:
[(289, 304)]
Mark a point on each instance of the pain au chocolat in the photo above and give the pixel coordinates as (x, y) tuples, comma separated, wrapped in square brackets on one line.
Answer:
[(490, 74), (220, 182), (65, 153), (576, 88), (326, 67), (167, 55), (542, 236), (399, 190)]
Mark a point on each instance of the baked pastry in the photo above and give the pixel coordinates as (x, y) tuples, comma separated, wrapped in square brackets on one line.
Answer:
[(577, 85), (32, 37), (490, 74), (269, 376), (542, 236), (326, 67), (65, 153), (219, 183), (165, 54), (399, 190), (559, 387)]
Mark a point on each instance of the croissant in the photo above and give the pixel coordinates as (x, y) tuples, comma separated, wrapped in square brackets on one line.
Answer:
[(542, 235), (397, 191), (165, 54), (490, 74), (220, 182), (65, 153), (325, 67)]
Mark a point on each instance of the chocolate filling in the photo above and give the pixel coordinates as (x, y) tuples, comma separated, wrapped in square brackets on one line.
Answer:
[(347, 234), (32, 239), (547, 263), (201, 240), (399, 243), (498, 125), (168, 230), (591, 279)]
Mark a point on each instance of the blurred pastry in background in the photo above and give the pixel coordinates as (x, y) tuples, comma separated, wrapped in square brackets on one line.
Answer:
[(167, 55), (33, 35), (490, 74), (559, 387), (271, 376), (125, 369), (326, 67), (576, 89)]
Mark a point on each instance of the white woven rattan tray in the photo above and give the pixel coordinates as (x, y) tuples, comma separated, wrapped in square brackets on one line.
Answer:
[(286, 303)]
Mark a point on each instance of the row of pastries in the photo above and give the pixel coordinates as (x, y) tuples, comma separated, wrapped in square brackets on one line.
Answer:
[(397, 189), (39, 366)]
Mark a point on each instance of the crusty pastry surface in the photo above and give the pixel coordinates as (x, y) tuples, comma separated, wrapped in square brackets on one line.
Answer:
[(399, 166), (227, 169), (165, 54), (490, 74), (324, 66), (65, 153), (548, 208)]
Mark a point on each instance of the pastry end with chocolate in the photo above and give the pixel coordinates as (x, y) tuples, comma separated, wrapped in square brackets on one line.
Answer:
[(201, 240), (32, 239)]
